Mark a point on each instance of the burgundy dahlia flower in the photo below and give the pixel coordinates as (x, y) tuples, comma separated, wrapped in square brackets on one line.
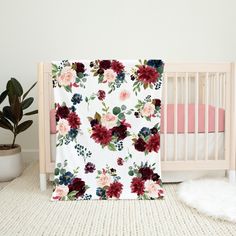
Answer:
[(117, 66), (101, 134), (120, 132), (120, 161), (146, 173), (137, 186), (153, 143), (114, 190), (89, 168), (62, 112), (147, 74), (140, 145), (105, 64), (157, 102), (74, 120), (101, 95), (79, 67), (78, 185)]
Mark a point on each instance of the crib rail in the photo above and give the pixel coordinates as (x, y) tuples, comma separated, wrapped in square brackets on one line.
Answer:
[(208, 84)]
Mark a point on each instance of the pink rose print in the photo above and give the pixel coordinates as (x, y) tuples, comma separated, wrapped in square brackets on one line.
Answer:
[(60, 192), (124, 95), (109, 76), (67, 76), (148, 109), (109, 120), (104, 180), (152, 188), (63, 127)]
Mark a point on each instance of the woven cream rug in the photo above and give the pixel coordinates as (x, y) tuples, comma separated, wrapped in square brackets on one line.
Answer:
[(24, 210)]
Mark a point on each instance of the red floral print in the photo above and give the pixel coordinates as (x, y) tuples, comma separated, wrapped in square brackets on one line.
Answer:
[(153, 143), (74, 120), (147, 74), (140, 145), (117, 66), (137, 186), (105, 64), (146, 173), (101, 134), (78, 185), (115, 190), (101, 95)]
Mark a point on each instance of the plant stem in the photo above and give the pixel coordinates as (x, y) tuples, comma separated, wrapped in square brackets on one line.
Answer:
[(14, 133), (13, 143)]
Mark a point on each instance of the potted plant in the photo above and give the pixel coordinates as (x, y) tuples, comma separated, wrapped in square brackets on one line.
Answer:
[(11, 119)]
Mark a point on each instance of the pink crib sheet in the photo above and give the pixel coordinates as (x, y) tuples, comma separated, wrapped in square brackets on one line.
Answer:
[(181, 119), (191, 118)]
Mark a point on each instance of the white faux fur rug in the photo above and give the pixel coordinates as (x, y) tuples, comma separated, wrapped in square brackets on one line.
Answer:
[(213, 197)]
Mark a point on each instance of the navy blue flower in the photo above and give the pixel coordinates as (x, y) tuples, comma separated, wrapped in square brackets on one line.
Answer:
[(155, 63), (100, 192), (72, 108), (77, 98), (121, 76), (66, 178), (73, 133), (145, 131)]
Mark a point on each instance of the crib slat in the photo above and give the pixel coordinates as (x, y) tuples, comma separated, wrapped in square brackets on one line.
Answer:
[(175, 115), (223, 89), (206, 114), (186, 117), (196, 116), (217, 81)]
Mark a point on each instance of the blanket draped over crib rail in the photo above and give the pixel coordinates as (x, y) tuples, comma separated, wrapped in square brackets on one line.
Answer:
[(108, 129)]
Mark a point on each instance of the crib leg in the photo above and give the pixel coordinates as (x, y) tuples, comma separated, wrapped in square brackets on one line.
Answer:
[(43, 181), (232, 176)]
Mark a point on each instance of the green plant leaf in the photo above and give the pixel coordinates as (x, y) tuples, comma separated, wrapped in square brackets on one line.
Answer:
[(31, 113), (16, 109), (3, 96), (7, 113), (62, 171), (68, 88), (116, 110), (26, 103), (10, 91), (56, 171), (29, 90), (131, 173), (23, 126), (121, 116), (80, 75), (5, 124), (111, 147), (123, 107), (17, 87)]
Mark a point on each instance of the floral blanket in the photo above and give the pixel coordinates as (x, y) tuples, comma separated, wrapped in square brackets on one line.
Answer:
[(108, 129)]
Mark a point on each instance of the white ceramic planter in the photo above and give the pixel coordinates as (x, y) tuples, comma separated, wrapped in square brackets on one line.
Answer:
[(11, 164)]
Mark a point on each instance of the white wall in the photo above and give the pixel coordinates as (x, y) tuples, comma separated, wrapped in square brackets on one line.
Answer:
[(44, 30)]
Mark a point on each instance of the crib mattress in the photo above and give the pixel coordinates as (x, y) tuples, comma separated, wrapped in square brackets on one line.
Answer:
[(191, 118)]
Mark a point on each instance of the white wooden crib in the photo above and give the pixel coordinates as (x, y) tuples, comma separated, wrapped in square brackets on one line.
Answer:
[(198, 118)]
